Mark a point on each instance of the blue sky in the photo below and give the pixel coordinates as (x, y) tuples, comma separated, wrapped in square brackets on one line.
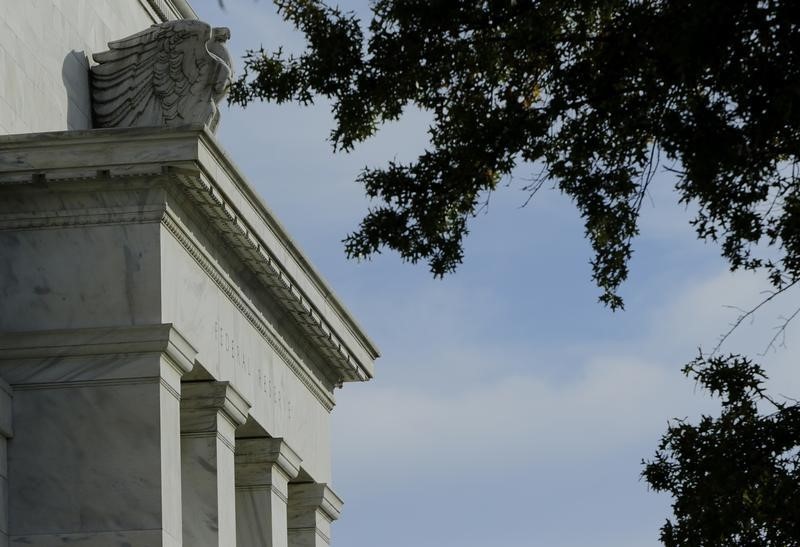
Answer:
[(509, 408)]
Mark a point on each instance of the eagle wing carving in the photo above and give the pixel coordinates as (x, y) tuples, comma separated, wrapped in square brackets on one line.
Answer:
[(173, 73)]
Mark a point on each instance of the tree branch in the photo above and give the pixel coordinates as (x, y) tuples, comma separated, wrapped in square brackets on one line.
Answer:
[(752, 311)]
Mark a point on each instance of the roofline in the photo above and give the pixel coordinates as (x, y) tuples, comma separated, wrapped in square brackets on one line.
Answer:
[(194, 151), (184, 9), (297, 253)]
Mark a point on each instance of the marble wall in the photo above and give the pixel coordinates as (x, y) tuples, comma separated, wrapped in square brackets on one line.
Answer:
[(48, 282), (141, 347), (243, 337), (45, 51), (80, 270)]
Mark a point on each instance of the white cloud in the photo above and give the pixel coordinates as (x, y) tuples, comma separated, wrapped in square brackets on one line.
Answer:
[(621, 396), (515, 422)]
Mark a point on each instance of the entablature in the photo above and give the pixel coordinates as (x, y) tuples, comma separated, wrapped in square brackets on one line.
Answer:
[(193, 159)]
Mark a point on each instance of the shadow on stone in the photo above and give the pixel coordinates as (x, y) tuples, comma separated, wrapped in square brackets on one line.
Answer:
[(75, 75)]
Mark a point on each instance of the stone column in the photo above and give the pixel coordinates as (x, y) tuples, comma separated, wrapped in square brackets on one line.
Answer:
[(5, 434), (210, 413), (264, 468), (312, 508)]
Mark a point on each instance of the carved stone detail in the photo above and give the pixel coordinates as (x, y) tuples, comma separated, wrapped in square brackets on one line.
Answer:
[(173, 73)]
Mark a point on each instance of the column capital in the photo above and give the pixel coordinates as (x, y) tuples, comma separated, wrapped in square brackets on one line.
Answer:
[(42, 346), (206, 398), (268, 451), (316, 496)]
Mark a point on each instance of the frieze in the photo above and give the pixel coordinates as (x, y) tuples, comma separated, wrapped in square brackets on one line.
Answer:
[(229, 346), (174, 226)]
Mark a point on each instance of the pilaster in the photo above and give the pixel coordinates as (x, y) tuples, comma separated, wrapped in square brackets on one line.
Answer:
[(210, 413), (95, 458), (312, 509), (264, 467)]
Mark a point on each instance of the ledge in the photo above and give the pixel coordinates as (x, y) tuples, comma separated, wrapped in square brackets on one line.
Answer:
[(191, 156), (99, 341), (205, 395), (268, 451), (168, 10), (316, 496)]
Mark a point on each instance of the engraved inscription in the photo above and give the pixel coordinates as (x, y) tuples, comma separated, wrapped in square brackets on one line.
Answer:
[(230, 348)]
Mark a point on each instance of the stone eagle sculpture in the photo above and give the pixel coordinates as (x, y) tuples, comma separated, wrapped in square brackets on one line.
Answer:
[(170, 74)]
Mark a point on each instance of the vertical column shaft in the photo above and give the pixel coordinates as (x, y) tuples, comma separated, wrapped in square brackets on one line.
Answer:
[(210, 413)]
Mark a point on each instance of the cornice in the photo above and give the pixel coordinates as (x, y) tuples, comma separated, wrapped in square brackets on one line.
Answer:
[(168, 10), (270, 272), (223, 164), (256, 319), (184, 9), (192, 156)]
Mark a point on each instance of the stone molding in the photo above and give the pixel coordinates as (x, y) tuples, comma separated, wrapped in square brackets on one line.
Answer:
[(57, 350), (271, 274), (98, 341), (137, 215), (206, 396), (316, 496), (202, 402), (268, 452), (163, 338), (264, 261), (117, 215), (250, 312), (168, 10), (191, 155)]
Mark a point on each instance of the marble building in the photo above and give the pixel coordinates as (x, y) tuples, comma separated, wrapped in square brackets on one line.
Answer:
[(168, 355)]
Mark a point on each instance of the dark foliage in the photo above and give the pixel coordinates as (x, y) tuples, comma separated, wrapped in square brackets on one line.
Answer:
[(593, 91), (593, 95), (735, 479)]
